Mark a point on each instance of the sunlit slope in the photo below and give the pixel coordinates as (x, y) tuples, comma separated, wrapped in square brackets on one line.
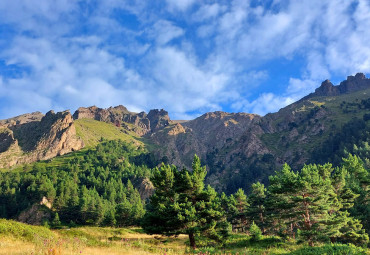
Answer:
[(92, 131)]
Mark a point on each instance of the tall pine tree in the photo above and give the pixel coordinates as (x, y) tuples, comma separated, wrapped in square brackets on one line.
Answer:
[(182, 205)]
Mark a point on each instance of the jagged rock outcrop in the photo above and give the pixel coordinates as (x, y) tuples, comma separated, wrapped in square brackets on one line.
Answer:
[(158, 119), (21, 119), (120, 116), (352, 84), (37, 213), (59, 135), (327, 89), (145, 188), (28, 141)]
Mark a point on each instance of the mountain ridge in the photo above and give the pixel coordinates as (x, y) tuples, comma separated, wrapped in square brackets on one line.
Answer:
[(234, 146)]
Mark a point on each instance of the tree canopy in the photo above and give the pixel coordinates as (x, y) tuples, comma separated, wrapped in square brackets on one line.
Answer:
[(182, 204)]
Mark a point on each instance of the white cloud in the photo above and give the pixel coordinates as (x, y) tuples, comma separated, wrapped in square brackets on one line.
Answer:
[(298, 88), (208, 11), (185, 86), (164, 31), (203, 56), (265, 103), (67, 75)]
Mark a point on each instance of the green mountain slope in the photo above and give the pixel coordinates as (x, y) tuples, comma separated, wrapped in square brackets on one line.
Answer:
[(92, 131)]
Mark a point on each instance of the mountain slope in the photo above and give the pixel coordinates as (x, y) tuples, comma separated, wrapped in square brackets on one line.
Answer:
[(29, 138), (238, 148)]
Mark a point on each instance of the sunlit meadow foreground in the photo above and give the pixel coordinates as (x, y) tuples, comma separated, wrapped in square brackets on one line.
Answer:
[(18, 238)]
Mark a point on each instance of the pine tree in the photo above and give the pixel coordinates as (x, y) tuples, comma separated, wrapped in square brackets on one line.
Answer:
[(256, 210), (280, 215), (182, 205), (358, 181), (56, 221), (255, 232), (238, 207), (313, 201)]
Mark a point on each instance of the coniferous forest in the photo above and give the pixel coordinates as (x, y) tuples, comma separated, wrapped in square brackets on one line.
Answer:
[(316, 204)]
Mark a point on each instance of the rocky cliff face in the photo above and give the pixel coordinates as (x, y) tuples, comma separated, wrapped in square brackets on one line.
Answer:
[(21, 119), (33, 139), (142, 123), (210, 132), (352, 84)]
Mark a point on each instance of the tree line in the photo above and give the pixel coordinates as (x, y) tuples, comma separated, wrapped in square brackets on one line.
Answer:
[(319, 203), (316, 204)]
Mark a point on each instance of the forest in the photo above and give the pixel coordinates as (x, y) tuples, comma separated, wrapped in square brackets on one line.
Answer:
[(317, 204)]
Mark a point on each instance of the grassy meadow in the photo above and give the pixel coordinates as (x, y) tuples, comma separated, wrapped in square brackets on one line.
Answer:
[(18, 238)]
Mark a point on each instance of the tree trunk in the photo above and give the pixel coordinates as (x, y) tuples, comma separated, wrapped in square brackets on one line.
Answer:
[(310, 242), (262, 221), (192, 240)]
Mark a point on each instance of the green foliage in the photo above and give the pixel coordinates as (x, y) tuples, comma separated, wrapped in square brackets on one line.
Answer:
[(257, 211), (92, 188), (182, 205), (236, 207), (24, 231), (255, 232), (56, 221), (314, 202), (337, 249)]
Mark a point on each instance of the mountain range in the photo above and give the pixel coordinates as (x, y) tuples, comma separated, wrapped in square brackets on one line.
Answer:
[(238, 148)]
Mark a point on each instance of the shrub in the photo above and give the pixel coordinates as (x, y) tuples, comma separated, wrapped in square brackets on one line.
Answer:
[(337, 249), (255, 232)]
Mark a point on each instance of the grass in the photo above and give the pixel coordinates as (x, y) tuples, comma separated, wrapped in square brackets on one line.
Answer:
[(338, 115), (19, 238), (91, 132)]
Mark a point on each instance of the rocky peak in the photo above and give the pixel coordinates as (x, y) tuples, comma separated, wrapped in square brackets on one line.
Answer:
[(146, 123), (327, 89), (158, 119), (21, 119), (119, 108), (352, 84)]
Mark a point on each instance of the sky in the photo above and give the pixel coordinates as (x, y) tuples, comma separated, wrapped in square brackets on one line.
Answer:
[(185, 56)]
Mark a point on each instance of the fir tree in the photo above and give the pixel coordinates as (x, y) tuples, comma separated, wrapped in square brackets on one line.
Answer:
[(56, 221), (182, 205), (256, 210)]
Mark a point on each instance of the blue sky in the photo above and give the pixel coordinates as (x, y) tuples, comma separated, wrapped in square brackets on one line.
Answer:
[(186, 56)]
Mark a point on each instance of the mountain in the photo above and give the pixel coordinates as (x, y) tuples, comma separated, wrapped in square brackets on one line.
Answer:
[(141, 123), (32, 137), (238, 148)]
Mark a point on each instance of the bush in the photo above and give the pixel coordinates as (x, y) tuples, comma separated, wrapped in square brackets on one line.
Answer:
[(337, 249), (255, 232)]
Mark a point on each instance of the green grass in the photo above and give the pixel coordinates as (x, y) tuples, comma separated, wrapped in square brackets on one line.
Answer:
[(23, 231), (91, 132), (20, 238)]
